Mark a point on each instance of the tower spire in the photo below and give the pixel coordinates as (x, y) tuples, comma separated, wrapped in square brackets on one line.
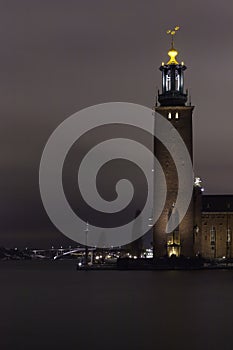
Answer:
[(172, 53), (172, 32), (172, 77)]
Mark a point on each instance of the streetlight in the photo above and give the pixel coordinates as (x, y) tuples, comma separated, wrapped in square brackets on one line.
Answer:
[(228, 241), (86, 246)]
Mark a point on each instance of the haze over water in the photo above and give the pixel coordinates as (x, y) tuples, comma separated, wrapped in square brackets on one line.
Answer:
[(50, 305)]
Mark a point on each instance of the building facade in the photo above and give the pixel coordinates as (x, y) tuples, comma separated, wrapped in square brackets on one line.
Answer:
[(214, 238)]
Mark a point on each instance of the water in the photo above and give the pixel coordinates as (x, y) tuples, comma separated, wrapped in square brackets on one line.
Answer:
[(50, 305)]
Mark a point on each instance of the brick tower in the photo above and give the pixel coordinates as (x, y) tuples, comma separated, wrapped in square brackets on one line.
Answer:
[(173, 106)]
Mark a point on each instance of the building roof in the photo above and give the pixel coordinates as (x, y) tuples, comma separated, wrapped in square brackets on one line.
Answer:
[(217, 203)]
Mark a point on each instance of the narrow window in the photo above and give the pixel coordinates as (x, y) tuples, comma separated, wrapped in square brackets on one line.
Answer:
[(228, 235), (177, 81), (212, 236), (168, 81)]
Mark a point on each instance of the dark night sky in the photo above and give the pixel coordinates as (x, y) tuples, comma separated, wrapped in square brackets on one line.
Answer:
[(57, 57)]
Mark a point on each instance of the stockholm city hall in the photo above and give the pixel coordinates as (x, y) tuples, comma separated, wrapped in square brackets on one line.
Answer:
[(206, 228)]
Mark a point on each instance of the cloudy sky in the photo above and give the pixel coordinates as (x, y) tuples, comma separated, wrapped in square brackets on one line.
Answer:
[(57, 57)]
